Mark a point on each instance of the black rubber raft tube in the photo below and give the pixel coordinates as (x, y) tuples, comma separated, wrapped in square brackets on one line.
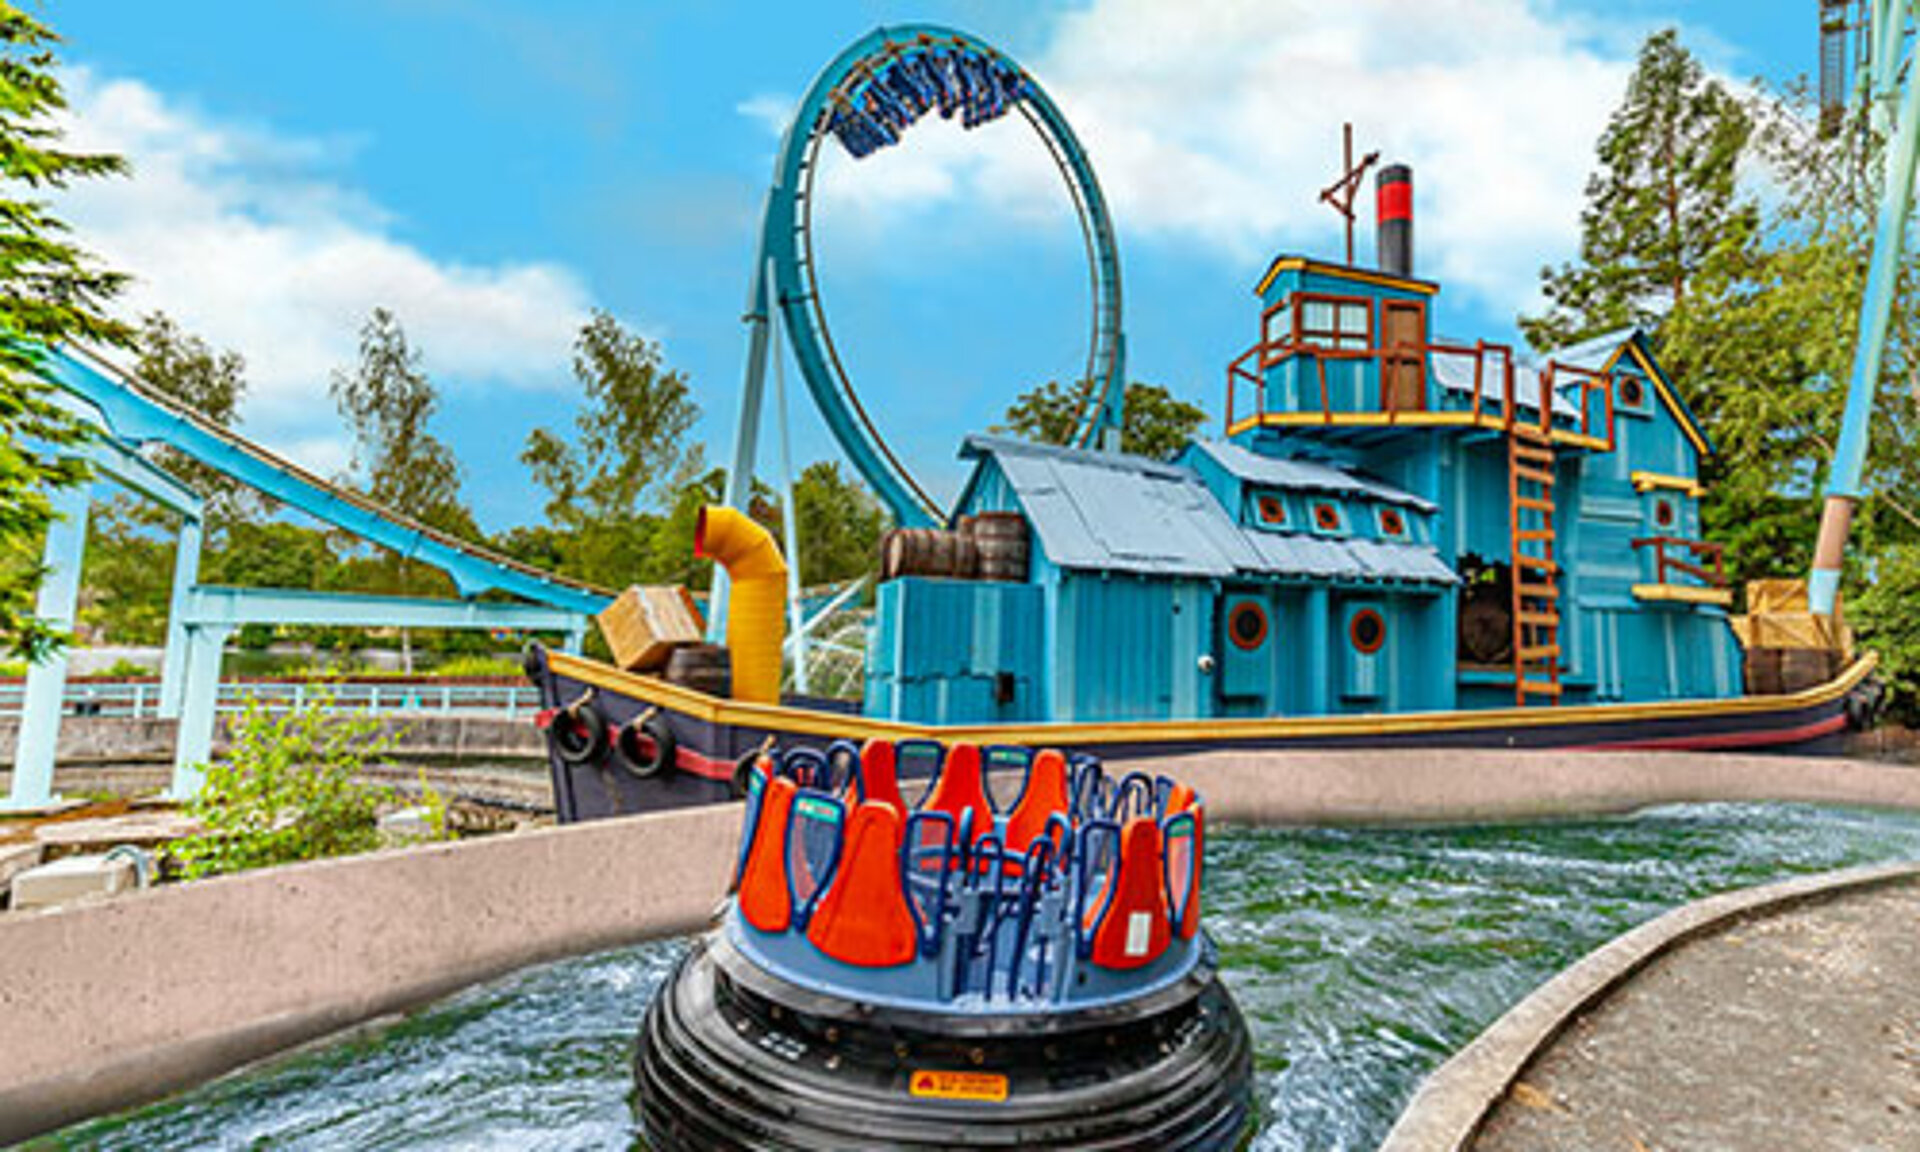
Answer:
[(731, 1056)]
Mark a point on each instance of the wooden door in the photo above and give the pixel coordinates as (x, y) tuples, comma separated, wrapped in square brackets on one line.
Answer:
[(1403, 380)]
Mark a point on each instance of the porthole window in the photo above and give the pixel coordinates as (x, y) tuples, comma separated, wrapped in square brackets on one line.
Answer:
[(1391, 523), (1272, 511), (1632, 392), (1367, 631), (1326, 517), (1247, 625), (1663, 513)]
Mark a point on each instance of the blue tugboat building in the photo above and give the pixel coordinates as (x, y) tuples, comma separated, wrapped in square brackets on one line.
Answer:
[(1391, 522)]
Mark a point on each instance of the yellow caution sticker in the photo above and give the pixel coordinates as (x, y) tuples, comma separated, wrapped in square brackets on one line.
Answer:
[(937, 1085)]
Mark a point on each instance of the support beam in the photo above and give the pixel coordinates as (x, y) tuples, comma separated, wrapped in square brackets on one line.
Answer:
[(173, 660), (65, 550), (212, 613), (193, 746), (746, 432), (1876, 308), (232, 607)]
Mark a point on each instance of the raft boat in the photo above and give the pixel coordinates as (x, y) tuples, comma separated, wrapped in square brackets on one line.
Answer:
[(936, 974)]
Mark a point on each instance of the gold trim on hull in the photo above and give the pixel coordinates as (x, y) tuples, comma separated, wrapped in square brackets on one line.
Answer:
[(815, 723)]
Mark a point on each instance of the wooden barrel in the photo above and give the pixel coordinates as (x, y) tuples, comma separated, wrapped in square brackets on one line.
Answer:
[(1002, 538), (1806, 667), (966, 556), (1763, 671), (926, 552), (703, 667)]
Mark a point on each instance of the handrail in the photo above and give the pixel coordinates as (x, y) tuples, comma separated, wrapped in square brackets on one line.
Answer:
[(1715, 553), (1271, 351), (140, 699)]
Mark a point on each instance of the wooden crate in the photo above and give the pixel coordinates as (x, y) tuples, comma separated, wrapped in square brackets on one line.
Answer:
[(644, 625)]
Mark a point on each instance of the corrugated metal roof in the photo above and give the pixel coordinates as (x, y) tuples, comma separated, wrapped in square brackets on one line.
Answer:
[(1593, 353), (1095, 510), (1125, 513), (1305, 475)]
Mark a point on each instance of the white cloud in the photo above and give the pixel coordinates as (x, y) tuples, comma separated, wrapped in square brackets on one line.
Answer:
[(770, 110), (241, 237), (1216, 122)]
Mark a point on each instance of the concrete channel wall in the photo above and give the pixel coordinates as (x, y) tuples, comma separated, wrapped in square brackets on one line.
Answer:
[(106, 1005), (103, 1006)]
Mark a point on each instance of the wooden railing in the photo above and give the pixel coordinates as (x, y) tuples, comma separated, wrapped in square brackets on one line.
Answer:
[(1713, 554), (1486, 357)]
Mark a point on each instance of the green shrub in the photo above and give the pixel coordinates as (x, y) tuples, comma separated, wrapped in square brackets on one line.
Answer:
[(289, 789), (1886, 621), (124, 669)]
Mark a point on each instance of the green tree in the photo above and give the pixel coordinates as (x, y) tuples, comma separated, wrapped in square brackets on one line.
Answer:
[(387, 402), (1662, 200), (1764, 340), (1157, 424), (51, 292), (209, 382), (628, 451)]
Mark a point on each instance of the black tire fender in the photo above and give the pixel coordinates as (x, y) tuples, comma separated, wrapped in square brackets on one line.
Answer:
[(742, 772), (640, 761), (579, 734)]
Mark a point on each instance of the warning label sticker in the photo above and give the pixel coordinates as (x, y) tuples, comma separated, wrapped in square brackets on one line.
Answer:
[(991, 1086)]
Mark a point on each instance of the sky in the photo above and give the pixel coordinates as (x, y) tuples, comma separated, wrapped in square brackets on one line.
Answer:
[(494, 172)]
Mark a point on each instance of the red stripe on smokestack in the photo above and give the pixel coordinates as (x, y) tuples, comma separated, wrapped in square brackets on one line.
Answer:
[(1393, 220), (1396, 201)]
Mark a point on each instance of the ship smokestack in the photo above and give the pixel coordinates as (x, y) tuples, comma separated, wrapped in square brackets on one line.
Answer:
[(1393, 217)]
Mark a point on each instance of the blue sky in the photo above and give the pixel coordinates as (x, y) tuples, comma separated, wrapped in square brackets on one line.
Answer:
[(492, 171)]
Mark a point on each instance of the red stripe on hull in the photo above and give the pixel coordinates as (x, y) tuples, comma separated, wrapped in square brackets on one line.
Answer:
[(1749, 739)]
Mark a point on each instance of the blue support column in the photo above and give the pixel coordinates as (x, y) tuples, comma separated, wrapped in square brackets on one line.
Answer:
[(66, 546), (173, 662), (193, 747)]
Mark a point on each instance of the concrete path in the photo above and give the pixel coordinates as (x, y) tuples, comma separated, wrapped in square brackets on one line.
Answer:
[(1796, 1026)]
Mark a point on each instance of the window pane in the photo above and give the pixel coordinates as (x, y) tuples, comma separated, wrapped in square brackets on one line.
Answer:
[(1316, 316), (1353, 318)]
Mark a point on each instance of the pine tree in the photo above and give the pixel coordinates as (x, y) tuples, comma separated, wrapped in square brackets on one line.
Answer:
[(1662, 200), (50, 293)]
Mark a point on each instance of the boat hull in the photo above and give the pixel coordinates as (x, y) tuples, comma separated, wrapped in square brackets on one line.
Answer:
[(711, 736)]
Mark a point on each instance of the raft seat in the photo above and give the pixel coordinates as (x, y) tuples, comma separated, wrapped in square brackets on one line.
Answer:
[(1045, 795), (1135, 928), (879, 779), (766, 902), (960, 788), (863, 919)]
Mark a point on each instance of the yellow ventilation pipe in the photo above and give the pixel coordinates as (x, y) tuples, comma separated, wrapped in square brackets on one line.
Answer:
[(756, 603)]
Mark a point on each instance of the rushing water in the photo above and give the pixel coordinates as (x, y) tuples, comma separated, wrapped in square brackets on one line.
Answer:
[(1361, 958)]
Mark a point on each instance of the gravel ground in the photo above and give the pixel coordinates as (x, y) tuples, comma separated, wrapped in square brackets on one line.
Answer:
[(1797, 1030)]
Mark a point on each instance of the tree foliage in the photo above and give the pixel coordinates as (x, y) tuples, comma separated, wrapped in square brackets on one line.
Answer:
[(629, 436), (1663, 199), (51, 293), (1157, 424), (627, 452), (208, 382), (387, 402)]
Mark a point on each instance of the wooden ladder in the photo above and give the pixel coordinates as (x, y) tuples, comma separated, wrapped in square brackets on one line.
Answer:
[(1535, 575)]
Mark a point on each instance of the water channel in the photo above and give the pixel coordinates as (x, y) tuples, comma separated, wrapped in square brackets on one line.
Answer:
[(1361, 957)]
